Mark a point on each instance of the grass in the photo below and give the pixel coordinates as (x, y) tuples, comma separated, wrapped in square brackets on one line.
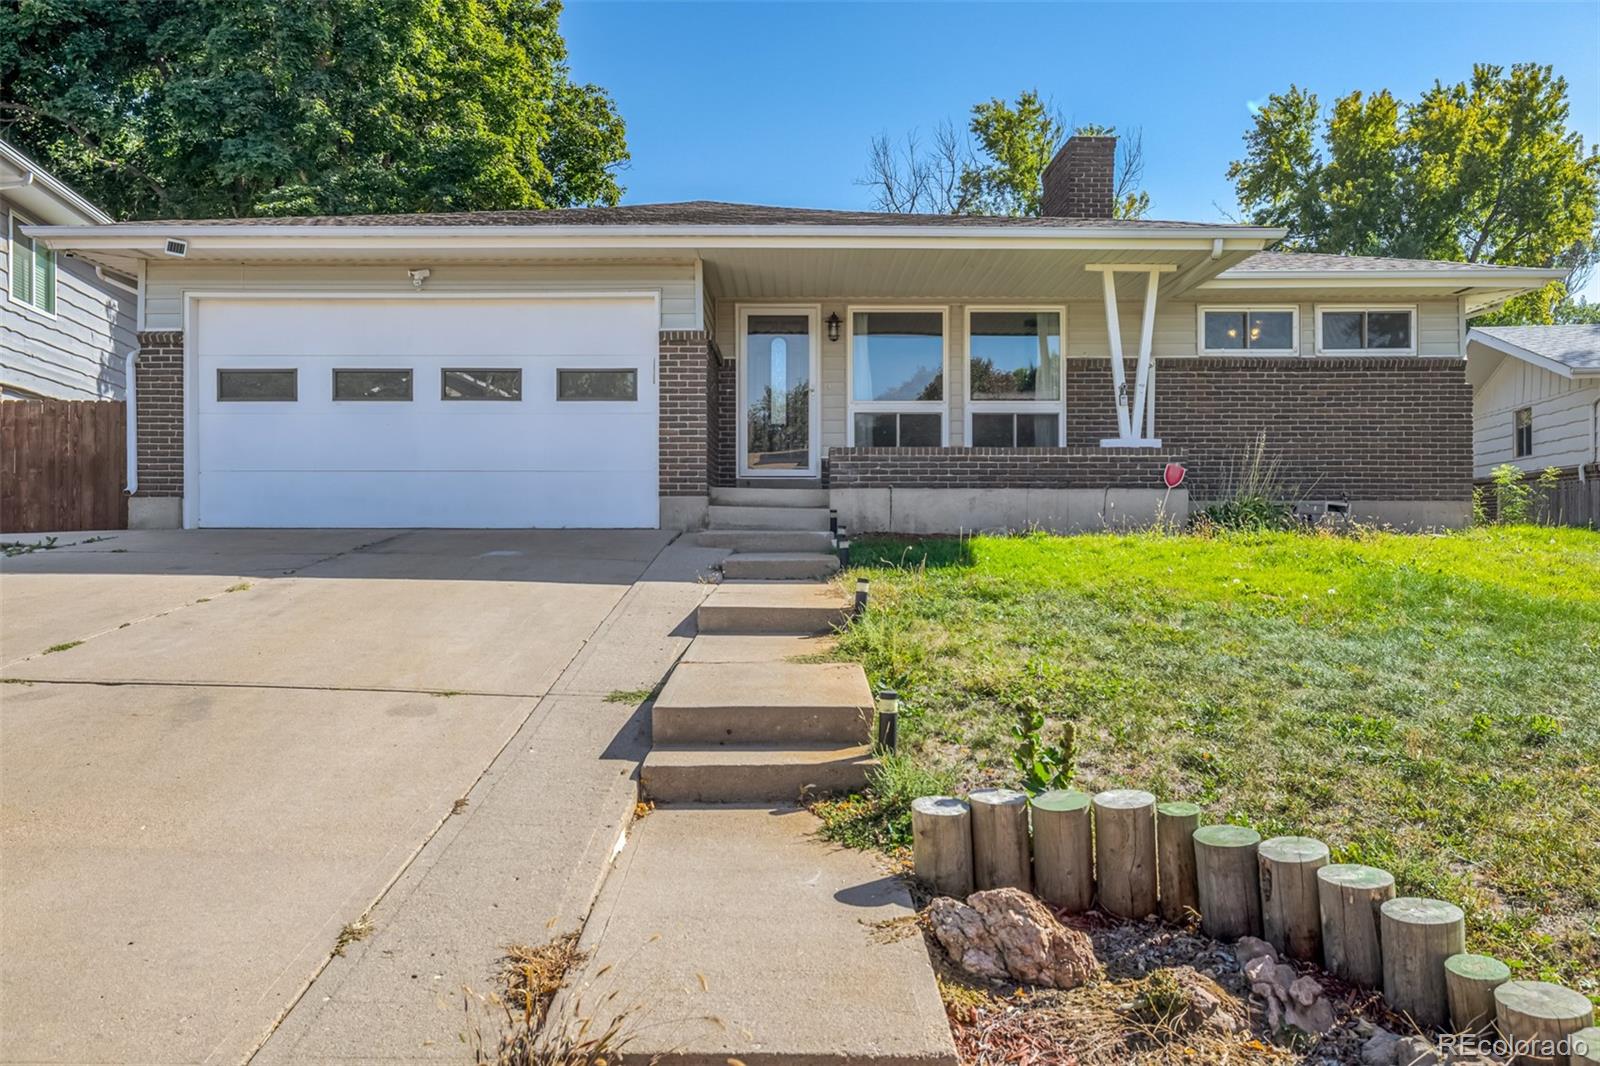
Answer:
[(68, 646), (1427, 704)]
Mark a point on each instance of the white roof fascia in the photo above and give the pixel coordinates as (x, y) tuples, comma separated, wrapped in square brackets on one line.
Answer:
[(1516, 351), (43, 179)]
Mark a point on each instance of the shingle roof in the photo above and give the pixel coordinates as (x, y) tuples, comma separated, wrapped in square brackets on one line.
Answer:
[(1577, 346), (686, 213), (1274, 261)]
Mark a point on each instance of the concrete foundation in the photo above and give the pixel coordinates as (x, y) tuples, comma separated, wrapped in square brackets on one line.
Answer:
[(684, 512), (1413, 515), (891, 510), (155, 512)]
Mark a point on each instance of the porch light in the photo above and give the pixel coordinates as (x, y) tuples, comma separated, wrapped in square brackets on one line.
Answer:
[(833, 327)]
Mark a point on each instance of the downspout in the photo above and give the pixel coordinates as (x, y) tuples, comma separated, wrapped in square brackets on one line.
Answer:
[(130, 373)]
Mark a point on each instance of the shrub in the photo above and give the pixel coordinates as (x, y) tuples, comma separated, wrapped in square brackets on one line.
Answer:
[(1513, 496), (1255, 496)]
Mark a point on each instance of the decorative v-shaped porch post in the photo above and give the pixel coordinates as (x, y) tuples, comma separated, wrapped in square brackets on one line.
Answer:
[(1142, 406)]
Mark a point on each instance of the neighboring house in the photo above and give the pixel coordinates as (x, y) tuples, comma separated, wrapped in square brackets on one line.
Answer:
[(1535, 399), (617, 366), (67, 326)]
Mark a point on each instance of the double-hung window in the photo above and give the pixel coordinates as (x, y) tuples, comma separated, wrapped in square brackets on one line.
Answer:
[(1252, 330), (32, 270), (896, 372), (1360, 330), (1014, 392)]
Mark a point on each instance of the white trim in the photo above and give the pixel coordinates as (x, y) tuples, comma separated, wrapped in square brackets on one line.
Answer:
[(1411, 309), (35, 174), (13, 220), (1456, 276), (1247, 309), (191, 364), (741, 316), (1516, 351), (1057, 407), (699, 294), (913, 407)]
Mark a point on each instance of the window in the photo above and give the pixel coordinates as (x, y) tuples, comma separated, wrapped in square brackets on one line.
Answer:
[(1014, 377), (377, 385), (1262, 330), (1366, 329), (597, 384), (481, 384), (1522, 433), (33, 270), (257, 386), (896, 371)]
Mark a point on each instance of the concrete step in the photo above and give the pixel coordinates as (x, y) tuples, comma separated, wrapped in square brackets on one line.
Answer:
[(780, 566), (766, 540), (758, 648), (799, 607), (745, 937), (779, 497), (723, 516), (752, 773), (764, 703)]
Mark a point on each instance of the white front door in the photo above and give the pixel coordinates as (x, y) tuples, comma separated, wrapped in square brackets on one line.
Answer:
[(365, 411), (779, 425)]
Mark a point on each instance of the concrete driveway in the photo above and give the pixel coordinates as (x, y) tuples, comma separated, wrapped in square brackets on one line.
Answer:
[(219, 748)]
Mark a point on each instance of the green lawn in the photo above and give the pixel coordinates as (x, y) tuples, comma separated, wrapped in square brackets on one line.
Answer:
[(1427, 704)]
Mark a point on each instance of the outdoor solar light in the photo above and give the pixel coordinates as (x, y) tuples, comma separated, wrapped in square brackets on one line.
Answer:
[(888, 701), (863, 586), (833, 326)]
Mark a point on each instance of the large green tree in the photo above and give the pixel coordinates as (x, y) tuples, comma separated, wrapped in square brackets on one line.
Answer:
[(1484, 171), (998, 169), (231, 108)]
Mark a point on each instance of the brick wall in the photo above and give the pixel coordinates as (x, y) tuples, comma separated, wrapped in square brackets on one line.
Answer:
[(1369, 428), (997, 468), (689, 380), (1080, 180), (722, 429), (159, 412)]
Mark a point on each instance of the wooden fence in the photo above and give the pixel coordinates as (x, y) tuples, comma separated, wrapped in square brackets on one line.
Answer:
[(62, 464), (1570, 503)]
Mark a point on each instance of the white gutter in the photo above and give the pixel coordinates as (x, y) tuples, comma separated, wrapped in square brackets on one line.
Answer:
[(130, 374), (100, 272), (34, 174)]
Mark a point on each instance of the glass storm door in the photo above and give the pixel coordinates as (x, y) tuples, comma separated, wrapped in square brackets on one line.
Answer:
[(777, 410)]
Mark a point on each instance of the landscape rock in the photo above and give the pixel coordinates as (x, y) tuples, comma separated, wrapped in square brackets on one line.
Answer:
[(1380, 1049), (1290, 1000), (1416, 1051), (1250, 947), (1005, 932)]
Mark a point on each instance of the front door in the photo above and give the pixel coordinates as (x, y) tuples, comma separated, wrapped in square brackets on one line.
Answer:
[(777, 404)]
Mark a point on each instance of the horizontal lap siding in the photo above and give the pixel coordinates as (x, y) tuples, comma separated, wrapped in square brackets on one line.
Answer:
[(1563, 418)]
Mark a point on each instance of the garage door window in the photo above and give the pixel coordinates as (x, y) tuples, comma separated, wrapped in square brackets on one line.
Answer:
[(597, 385), (255, 386), (482, 385), (376, 385)]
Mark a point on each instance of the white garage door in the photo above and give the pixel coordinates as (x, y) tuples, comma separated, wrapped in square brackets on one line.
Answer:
[(423, 411)]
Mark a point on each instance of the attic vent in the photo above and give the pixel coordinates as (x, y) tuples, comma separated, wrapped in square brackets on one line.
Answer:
[(177, 248)]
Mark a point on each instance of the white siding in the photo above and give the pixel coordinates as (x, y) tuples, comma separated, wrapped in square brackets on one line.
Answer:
[(77, 354), (1563, 418), (167, 281)]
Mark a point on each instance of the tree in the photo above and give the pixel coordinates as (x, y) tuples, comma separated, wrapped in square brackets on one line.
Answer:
[(229, 108), (1485, 171), (1002, 175)]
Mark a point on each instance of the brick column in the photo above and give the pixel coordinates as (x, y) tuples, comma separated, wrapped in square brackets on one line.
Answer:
[(158, 414), (688, 383)]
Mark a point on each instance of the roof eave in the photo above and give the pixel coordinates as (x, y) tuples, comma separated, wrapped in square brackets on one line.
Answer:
[(1517, 351), (42, 178)]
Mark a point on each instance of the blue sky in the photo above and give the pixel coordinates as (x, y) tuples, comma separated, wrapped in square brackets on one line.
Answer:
[(776, 102)]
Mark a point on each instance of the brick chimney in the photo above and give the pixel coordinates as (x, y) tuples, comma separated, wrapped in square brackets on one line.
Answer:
[(1078, 182)]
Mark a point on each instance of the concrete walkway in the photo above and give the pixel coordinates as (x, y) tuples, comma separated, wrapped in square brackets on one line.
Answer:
[(734, 933), (521, 864)]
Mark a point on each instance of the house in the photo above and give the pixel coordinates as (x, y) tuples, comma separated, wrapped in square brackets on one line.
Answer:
[(623, 366), (66, 326), (1535, 399)]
